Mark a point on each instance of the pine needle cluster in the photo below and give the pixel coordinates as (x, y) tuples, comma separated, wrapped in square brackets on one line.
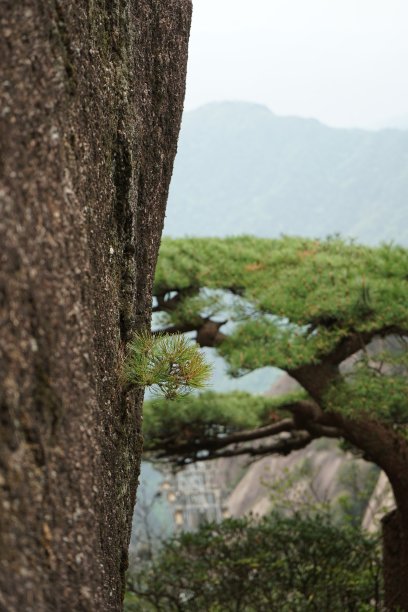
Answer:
[(171, 366)]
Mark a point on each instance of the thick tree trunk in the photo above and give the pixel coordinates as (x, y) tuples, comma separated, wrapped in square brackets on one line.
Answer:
[(395, 554), (389, 450), (91, 97)]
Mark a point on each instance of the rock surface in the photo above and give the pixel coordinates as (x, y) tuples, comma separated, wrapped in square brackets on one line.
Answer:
[(91, 98), (317, 474)]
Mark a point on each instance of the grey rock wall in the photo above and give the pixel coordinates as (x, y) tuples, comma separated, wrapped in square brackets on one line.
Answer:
[(91, 96)]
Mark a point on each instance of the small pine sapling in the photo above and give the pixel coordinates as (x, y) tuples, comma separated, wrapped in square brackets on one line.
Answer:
[(171, 366)]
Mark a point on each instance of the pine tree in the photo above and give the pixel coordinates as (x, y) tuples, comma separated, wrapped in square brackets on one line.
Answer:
[(307, 307)]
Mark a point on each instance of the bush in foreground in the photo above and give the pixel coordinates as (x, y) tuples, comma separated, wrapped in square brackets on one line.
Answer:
[(279, 563)]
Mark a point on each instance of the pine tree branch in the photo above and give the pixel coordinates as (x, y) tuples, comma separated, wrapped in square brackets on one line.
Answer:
[(208, 333), (211, 444), (303, 427), (281, 446)]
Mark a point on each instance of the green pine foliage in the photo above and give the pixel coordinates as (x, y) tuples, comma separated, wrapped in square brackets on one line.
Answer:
[(294, 300), (299, 280), (171, 366)]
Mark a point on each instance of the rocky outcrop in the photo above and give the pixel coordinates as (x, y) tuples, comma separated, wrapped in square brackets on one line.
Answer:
[(91, 98), (381, 502), (320, 473)]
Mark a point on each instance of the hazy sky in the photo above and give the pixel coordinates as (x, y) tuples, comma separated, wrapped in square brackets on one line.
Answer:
[(344, 62)]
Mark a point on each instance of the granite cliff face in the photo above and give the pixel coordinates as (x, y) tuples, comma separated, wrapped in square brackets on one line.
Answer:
[(91, 98)]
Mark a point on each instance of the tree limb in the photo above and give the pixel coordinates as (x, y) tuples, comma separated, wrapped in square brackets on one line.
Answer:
[(208, 333), (303, 427), (246, 435), (282, 446)]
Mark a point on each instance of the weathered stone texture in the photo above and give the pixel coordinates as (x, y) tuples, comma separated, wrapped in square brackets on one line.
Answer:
[(91, 96)]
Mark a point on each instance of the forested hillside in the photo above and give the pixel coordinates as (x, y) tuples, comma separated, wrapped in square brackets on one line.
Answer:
[(242, 169)]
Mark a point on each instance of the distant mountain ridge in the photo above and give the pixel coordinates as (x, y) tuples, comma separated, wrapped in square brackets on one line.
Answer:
[(242, 169), (399, 122)]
